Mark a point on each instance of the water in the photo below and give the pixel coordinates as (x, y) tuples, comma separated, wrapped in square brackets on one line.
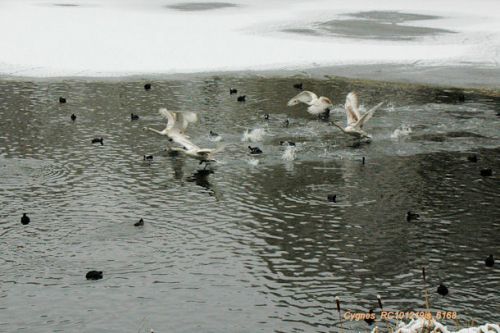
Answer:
[(252, 244)]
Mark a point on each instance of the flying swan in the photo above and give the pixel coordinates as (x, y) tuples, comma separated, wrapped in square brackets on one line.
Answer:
[(356, 121), (318, 106), (204, 155), (177, 122)]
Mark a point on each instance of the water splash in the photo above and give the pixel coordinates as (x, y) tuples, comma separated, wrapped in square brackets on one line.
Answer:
[(253, 161), (401, 132), (253, 135), (215, 138), (289, 154)]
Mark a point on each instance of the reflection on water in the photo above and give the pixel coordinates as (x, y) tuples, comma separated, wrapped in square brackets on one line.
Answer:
[(240, 245)]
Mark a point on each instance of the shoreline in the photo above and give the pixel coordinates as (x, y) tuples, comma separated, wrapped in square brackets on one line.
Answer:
[(483, 78)]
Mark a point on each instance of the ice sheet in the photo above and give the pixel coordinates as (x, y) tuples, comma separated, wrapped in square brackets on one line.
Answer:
[(110, 37)]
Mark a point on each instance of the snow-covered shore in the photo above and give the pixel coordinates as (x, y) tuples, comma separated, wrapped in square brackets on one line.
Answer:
[(117, 38)]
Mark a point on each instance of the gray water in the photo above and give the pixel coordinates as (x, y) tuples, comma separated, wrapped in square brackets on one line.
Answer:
[(252, 245)]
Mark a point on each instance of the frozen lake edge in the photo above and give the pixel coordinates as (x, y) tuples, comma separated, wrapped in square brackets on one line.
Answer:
[(471, 77)]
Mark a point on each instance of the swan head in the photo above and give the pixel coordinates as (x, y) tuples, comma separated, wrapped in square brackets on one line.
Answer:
[(293, 101)]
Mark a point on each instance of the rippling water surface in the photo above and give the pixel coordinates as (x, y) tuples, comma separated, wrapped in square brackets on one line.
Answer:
[(251, 244)]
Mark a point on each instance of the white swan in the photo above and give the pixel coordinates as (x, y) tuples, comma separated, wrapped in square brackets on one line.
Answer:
[(177, 122), (190, 149), (318, 106), (356, 121)]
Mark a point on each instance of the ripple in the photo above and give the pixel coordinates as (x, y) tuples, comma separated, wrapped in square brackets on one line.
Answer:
[(250, 240)]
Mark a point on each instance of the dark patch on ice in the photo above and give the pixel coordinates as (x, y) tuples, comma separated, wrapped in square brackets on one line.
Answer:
[(65, 5), (304, 31), (197, 6), (382, 25), (376, 30), (392, 16)]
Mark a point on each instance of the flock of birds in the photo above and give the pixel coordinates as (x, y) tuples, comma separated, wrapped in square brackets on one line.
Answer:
[(178, 122)]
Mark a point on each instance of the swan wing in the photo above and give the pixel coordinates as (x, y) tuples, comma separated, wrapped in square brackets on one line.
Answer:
[(353, 100), (367, 116), (338, 126), (170, 116), (182, 140), (179, 120), (306, 97), (185, 118), (352, 118), (204, 151)]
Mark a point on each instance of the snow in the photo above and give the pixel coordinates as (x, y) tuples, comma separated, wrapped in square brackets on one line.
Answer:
[(422, 325), (111, 37)]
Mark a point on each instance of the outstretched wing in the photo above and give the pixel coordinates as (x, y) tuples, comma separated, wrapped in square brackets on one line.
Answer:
[(182, 140), (367, 115), (352, 118), (210, 150), (170, 116), (353, 100), (352, 108), (306, 97), (179, 120), (185, 118)]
